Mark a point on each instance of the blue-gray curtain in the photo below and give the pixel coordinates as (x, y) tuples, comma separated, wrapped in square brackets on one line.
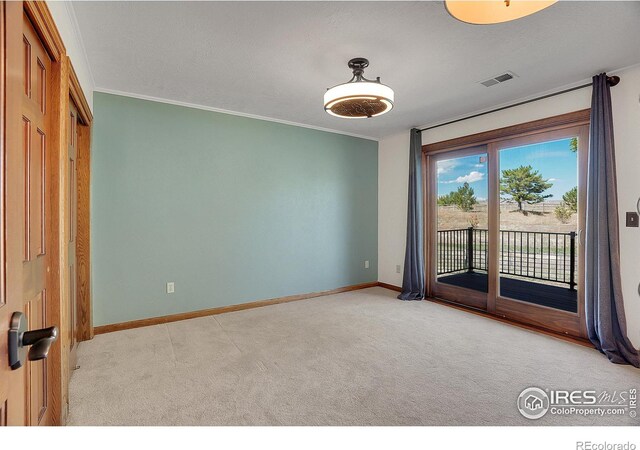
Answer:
[(604, 309), (413, 282)]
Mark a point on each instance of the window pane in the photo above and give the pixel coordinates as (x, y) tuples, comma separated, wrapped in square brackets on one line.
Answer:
[(462, 231), (538, 223)]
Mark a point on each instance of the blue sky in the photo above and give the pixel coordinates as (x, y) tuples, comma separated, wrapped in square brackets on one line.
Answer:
[(554, 160)]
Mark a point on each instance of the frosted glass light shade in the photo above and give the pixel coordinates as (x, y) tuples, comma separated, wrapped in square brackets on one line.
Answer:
[(494, 11), (358, 100)]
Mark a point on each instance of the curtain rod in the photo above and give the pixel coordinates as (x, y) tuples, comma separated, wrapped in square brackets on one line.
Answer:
[(611, 80)]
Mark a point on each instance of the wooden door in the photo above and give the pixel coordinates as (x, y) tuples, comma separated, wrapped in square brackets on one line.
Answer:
[(11, 291), (36, 75), (24, 397), (73, 226)]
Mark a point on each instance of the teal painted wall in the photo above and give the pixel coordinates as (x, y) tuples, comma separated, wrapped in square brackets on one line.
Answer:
[(231, 209)]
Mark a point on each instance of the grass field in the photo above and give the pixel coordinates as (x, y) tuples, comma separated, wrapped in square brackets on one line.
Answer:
[(539, 217)]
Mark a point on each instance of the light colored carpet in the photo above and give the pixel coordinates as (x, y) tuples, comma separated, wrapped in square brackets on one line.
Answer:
[(358, 358)]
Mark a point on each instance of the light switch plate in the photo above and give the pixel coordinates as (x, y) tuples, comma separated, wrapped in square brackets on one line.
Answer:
[(171, 287), (632, 219)]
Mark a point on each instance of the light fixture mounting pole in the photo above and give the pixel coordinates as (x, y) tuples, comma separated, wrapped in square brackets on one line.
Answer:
[(358, 65)]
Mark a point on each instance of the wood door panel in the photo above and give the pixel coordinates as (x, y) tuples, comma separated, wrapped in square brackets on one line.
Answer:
[(541, 316), (73, 226), (40, 198), (35, 310), (41, 85), (35, 198), (26, 151), (83, 238), (461, 295), (26, 65)]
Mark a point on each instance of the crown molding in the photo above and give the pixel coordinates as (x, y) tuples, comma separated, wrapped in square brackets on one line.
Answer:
[(226, 111)]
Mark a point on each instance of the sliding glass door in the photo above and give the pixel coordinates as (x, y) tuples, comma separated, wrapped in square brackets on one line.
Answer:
[(539, 228), (460, 233), (505, 223)]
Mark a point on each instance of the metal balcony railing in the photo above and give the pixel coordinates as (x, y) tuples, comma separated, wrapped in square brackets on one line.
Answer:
[(529, 254)]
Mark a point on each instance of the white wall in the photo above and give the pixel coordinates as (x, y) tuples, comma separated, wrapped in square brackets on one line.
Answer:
[(626, 122), (393, 173), (393, 167), (64, 17)]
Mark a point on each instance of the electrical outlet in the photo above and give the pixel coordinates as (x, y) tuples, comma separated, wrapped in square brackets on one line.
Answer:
[(171, 287), (398, 268), (366, 264)]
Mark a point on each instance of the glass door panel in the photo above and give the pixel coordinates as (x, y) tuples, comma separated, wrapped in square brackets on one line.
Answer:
[(538, 223), (460, 193)]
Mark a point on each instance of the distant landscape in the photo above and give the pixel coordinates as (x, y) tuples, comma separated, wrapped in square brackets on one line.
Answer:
[(538, 211), (536, 217), (537, 188)]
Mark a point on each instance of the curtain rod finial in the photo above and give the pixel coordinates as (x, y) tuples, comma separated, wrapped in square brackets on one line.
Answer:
[(613, 80)]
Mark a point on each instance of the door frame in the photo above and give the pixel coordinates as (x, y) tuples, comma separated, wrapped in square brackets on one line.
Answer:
[(577, 121), (64, 84), (84, 329)]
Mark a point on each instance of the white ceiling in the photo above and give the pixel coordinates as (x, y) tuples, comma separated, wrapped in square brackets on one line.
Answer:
[(276, 59)]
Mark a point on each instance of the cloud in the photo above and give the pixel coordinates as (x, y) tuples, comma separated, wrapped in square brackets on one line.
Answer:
[(446, 166), (471, 177)]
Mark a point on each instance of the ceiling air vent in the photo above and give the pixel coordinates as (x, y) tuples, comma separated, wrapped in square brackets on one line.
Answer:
[(498, 79)]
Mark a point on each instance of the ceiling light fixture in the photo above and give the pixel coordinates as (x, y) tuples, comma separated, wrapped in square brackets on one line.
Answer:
[(358, 98), (494, 11)]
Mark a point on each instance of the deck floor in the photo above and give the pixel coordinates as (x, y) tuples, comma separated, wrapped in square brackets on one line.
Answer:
[(527, 291)]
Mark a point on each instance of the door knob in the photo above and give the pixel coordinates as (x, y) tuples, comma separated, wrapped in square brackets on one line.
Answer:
[(19, 339)]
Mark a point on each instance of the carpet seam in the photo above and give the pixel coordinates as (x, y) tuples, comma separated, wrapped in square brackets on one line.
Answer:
[(227, 334), (173, 352)]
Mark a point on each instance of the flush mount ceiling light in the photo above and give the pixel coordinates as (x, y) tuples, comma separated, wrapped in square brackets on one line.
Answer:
[(494, 11), (358, 98)]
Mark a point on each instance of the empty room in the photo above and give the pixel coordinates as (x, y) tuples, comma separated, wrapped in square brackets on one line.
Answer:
[(321, 214)]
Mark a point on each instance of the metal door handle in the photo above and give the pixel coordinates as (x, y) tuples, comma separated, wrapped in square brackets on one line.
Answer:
[(39, 340)]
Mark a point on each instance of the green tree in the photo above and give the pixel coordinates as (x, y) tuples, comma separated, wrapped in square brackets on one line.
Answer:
[(563, 212), (446, 199), (464, 198), (524, 185), (570, 199), (573, 145)]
